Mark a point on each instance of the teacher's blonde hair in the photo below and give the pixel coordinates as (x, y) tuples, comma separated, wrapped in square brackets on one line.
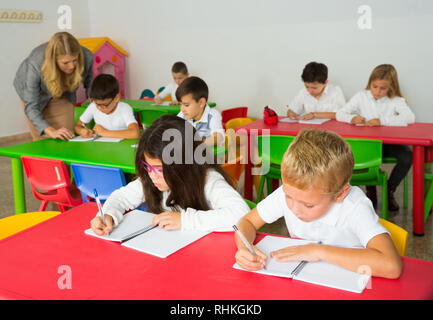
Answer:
[(318, 159), (57, 82)]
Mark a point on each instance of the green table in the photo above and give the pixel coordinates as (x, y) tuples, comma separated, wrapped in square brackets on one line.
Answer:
[(110, 154)]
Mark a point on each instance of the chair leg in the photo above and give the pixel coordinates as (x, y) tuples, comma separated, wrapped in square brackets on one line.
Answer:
[(61, 208), (260, 191), (428, 201), (384, 198), (43, 205), (406, 192)]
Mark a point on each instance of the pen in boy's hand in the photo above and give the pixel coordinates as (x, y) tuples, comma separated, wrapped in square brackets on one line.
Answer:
[(246, 243)]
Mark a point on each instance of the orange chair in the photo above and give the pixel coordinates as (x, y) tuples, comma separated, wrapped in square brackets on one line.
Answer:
[(234, 169), (50, 181), (228, 114)]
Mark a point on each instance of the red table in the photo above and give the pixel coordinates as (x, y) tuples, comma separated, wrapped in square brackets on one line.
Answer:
[(417, 135), (30, 262)]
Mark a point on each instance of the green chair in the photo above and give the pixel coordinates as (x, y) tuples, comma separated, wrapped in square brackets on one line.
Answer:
[(78, 111), (148, 116), (428, 194), (367, 156), (250, 204), (405, 182), (271, 159)]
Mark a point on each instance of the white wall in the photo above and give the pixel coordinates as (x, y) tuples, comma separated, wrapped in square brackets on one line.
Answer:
[(251, 52), (17, 41)]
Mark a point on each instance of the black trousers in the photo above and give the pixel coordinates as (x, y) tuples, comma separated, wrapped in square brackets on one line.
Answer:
[(403, 154)]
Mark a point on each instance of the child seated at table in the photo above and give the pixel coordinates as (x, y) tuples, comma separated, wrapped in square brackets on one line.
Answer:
[(179, 72), (184, 191), (318, 204), (113, 118), (193, 95), (319, 99), (382, 104)]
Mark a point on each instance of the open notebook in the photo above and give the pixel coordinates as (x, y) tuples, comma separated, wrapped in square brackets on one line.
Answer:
[(95, 138), (321, 272), (311, 121), (137, 232)]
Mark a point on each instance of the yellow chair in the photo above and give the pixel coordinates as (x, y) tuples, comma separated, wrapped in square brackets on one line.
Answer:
[(19, 222), (398, 235)]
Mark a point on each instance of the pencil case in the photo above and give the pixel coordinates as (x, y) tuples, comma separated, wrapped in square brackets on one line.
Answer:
[(270, 116)]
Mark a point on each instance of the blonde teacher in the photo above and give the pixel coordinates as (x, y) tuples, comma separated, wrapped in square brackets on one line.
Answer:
[(47, 81)]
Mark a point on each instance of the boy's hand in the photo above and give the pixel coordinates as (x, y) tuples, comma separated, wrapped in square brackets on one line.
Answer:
[(307, 116), (172, 103), (358, 120), (308, 252), (86, 133), (168, 220), (99, 130), (373, 123), (292, 115), (99, 228), (246, 260), (157, 100)]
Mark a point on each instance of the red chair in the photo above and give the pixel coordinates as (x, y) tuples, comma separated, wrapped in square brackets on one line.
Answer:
[(50, 181), (238, 112)]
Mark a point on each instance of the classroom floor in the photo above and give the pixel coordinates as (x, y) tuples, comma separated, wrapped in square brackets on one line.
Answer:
[(418, 247)]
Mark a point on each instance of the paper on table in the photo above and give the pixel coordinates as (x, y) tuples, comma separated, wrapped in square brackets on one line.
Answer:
[(95, 138), (165, 103), (311, 121)]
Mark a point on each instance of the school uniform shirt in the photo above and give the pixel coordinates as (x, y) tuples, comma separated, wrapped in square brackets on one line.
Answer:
[(331, 100), (30, 85), (210, 122), (350, 223), (119, 119), (169, 90), (227, 205), (390, 112)]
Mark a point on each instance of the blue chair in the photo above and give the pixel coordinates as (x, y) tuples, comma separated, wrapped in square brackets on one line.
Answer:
[(147, 93), (104, 179)]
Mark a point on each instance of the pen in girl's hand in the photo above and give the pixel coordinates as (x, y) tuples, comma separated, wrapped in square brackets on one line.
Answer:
[(99, 206)]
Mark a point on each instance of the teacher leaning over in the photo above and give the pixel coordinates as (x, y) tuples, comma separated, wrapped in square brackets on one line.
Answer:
[(47, 81)]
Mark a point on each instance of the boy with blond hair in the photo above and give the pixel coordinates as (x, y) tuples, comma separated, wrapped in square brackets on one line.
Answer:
[(318, 203)]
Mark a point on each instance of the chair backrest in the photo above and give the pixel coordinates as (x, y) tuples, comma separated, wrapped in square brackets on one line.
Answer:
[(104, 179), (277, 147), (234, 169), (238, 122), (237, 112), (148, 116), (367, 156), (46, 174), (147, 93), (399, 236)]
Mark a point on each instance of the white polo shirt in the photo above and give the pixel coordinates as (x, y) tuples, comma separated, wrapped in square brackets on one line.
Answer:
[(210, 122), (390, 112), (331, 100), (169, 90), (350, 223), (119, 119)]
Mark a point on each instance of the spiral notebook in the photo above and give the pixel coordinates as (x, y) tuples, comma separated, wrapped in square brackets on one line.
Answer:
[(320, 273), (137, 232), (311, 121)]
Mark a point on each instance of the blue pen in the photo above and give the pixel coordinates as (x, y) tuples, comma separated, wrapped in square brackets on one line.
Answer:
[(99, 206)]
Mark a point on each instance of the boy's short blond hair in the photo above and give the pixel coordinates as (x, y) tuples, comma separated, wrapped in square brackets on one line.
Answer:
[(318, 159)]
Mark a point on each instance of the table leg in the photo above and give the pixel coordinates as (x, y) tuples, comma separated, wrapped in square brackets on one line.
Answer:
[(18, 186), (418, 190)]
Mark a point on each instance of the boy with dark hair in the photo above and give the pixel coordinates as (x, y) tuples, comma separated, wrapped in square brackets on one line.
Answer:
[(318, 99), (113, 118), (192, 95), (179, 71)]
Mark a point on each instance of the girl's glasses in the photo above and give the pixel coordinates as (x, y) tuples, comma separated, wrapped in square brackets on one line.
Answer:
[(149, 168)]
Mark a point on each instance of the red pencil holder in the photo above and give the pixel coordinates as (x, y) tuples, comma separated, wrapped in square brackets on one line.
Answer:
[(270, 116)]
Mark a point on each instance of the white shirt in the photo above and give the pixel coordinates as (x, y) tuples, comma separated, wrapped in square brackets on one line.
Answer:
[(169, 90), (331, 100), (210, 122), (227, 205), (390, 112), (119, 119), (350, 223)]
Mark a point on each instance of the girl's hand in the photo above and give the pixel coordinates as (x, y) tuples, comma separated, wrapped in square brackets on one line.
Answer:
[(373, 123), (308, 252), (99, 130), (307, 116), (99, 228), (168, 220), (157, 100), (246, 260), (292, 115), (62, 133), (358, 120)]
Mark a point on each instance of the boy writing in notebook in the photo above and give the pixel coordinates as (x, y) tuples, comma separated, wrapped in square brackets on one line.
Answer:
[(113, 118), (193, 94), (179, 72), (318, 204), (318, 99)]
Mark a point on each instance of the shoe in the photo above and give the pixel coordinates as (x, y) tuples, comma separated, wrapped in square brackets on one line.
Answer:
[(392, 203), (372, 195)]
